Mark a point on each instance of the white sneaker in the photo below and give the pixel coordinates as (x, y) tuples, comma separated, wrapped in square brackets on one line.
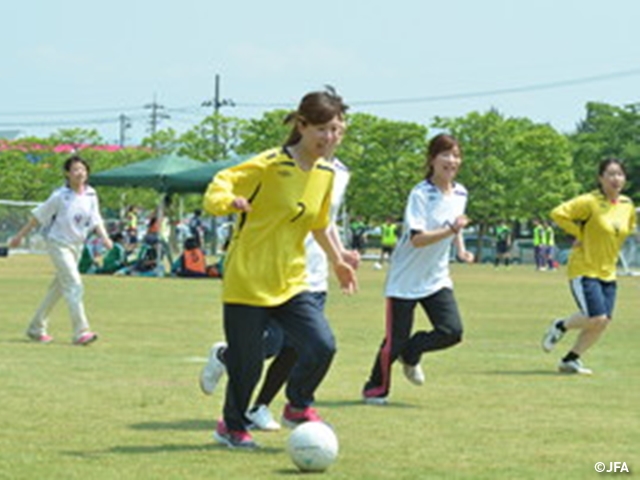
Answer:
[(573, 366), (261, 419), (377, 266), (213, 370), (413, 373), (552, 336)]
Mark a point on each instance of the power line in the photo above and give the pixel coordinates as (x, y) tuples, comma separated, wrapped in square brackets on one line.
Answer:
[(476, 94), (217, 103)]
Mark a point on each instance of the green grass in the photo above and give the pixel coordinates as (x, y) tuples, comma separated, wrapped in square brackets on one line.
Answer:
[(128, 407)]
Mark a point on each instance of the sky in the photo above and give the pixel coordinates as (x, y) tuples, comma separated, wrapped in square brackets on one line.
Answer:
[(72, 63)]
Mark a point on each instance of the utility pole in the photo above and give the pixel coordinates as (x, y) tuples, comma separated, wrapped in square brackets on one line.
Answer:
[(125, 123), (156, 116), (217, 103)]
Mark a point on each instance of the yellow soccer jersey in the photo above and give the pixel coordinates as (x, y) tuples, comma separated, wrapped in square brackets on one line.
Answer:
[(265, 264), (601, 227)]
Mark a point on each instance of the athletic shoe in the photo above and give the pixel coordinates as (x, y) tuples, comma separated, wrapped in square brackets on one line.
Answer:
[(261, 419), (377, 266), (291, 417), (213, 370), (413, 373), (552, 336), (573, 366), (370, 398), (233, 438), (40, 337), (86, 338)]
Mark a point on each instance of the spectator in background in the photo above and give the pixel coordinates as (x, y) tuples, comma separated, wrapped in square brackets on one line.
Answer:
[(539, 246), (131, 227), (549, 245), (388, 240), (358, 237), (116, 258), (503, 244), (196, 227)]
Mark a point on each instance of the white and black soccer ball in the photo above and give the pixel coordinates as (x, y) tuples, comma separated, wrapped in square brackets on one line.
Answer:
[(313, 446)]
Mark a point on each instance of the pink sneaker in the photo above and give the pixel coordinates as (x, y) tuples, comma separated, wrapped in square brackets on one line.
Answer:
[(40, 337), (233, 438), (86, 338), (292, 417)]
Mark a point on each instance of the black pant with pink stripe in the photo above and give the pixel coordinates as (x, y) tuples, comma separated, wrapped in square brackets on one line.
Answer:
[(441, 309)]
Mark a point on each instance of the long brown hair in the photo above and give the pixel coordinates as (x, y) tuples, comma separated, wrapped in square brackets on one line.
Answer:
[(315, 108), (440, 143)]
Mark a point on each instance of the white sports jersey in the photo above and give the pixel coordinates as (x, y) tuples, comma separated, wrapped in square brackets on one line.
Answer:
[(419, 272), (317, 265), (67, 216)]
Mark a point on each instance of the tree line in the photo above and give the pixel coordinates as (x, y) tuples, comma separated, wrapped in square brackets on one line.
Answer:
[(514, 168)]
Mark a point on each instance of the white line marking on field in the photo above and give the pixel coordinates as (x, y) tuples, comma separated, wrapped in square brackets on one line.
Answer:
[(195, 359)]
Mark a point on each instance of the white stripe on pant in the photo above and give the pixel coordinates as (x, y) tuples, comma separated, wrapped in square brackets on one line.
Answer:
[(68, 284)]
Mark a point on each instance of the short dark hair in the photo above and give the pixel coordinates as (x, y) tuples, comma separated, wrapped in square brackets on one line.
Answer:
[(75, 159)]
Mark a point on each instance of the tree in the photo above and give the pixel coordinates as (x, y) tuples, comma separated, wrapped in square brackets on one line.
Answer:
[(386, 159), (514, 169), (216, 138), (265, 132), (608, 131)]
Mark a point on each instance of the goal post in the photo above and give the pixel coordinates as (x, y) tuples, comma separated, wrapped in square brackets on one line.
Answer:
[(14, 214)]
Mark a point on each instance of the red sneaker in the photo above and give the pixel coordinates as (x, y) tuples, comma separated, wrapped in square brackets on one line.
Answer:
[(292, 417), (233, 438)]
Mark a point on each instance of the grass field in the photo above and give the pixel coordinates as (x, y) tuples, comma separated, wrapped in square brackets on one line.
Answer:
[(128, 406)]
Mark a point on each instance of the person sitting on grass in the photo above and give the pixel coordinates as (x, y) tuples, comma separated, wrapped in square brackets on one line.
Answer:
[(116, 258), (192, 262)]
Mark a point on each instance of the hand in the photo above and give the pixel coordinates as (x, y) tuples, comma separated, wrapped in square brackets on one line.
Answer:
[(466, 256), (352, 258), (108, 244), (15, 242), (346, 277), (241, 203), (460, 222)]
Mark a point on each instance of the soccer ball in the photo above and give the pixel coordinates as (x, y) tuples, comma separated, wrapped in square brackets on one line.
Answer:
[(313, 446)]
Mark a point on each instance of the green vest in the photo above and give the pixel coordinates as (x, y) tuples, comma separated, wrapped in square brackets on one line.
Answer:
[(538, 236), (389, 236)]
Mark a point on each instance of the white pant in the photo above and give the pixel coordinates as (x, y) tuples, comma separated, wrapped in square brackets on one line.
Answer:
[(68, 284)]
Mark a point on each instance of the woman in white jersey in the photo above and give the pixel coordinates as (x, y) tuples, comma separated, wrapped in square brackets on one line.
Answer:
[(67, 217), (275, 346), (419, 271), (600, 221)]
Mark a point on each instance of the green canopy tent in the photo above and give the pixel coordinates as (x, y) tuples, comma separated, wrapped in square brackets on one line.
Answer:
[(152, 173), (197, 179)]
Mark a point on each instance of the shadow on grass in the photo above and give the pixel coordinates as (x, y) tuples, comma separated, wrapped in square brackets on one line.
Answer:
[(545, 373), (168, 448), (183, 425), (360, 403)]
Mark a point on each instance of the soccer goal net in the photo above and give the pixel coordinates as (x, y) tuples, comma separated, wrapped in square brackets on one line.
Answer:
[(13, 215)]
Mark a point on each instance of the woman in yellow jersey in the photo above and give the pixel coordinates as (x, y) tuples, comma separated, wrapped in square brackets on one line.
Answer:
[(280, 196), (600, 221)]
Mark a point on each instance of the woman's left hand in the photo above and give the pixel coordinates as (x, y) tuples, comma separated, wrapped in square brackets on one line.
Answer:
[(466, 256), (346, 277)]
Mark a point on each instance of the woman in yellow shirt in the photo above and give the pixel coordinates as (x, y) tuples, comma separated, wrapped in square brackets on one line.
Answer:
[(600, 221), (280, 196)]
